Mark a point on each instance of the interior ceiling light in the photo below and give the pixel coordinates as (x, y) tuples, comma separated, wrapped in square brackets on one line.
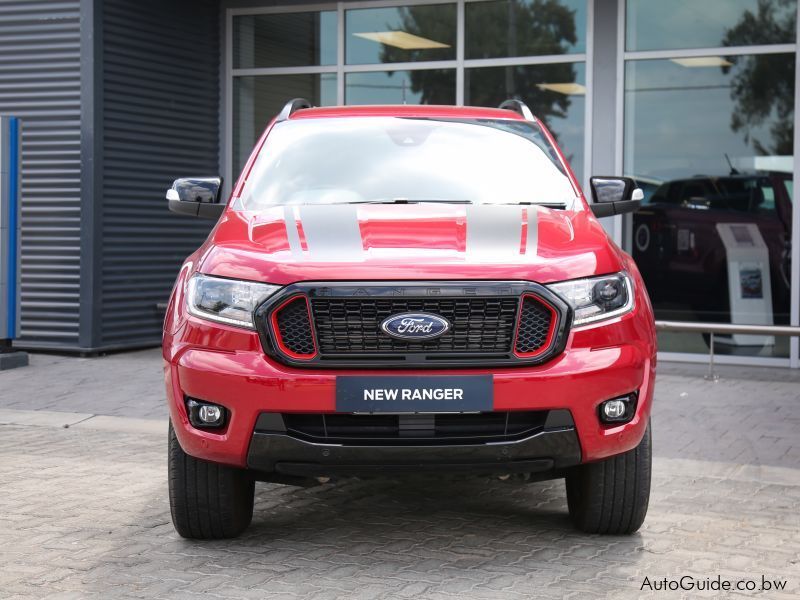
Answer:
[(702, 61), (402, 40), (569, 89)]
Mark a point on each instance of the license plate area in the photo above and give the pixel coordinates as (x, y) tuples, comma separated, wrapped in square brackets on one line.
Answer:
[(411, 394)]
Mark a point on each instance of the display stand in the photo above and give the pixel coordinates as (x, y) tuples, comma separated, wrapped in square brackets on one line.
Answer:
[(749, 285)]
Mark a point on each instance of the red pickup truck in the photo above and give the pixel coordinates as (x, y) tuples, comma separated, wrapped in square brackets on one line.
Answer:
[(394, 289)]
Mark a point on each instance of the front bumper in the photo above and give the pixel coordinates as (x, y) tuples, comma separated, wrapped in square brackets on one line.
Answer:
[(275, 450), (228, 367)]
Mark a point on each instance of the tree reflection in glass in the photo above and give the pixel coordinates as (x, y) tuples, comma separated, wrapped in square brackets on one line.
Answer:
[(763, 88), (524, 28)]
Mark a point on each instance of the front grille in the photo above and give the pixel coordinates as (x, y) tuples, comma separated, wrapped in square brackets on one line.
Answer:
[(338, 324), (425, 429), (353, 325)]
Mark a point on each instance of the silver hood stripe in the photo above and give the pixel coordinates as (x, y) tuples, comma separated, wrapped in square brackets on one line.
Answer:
[(495, 232), (332, 232), (292, 233)]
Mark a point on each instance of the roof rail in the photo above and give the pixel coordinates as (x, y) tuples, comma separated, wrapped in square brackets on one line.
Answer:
[(518, 106), (292, 106)]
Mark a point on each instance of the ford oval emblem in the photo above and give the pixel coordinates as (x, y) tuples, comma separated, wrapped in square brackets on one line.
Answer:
[(415, 326)]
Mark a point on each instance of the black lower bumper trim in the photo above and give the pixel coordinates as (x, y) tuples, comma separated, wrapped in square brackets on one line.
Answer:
[(544, 451), (320, 470)]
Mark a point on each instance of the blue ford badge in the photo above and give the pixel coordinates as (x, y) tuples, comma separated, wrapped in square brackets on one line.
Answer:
[(415, 326)]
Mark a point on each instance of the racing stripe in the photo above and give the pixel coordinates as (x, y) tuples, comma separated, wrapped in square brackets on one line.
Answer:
[(494, 232), (291, 231), (332, 232)]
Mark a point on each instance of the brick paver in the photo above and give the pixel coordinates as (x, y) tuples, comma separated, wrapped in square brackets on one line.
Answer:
[(83, 510)]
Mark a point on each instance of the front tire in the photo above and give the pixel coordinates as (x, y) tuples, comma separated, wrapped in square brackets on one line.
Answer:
[(611, 496), (208, 501)]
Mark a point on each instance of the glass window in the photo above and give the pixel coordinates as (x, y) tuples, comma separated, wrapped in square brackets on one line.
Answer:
[(400, 34), (713, 140), (524, 28), (284, 40), (257, 100), (682, 119), (709, 23), (434, 86), (334, 161), (555, 93)]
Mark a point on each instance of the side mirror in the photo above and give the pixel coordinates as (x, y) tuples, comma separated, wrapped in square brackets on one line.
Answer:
[(196, 196), (614, 196)]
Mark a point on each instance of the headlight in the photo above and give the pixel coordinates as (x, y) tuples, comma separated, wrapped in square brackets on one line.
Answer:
[(597, 298), (226, 300)]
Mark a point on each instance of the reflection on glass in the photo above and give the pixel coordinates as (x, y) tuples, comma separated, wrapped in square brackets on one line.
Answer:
[(709, 23), (284, 40), (524, 28), (257, 100), (428, 86), (683, 119), (711, 143), (556, 94), (400, 34)]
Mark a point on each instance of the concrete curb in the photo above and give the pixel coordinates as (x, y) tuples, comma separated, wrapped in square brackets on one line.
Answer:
[(44, 418), (125, 424)]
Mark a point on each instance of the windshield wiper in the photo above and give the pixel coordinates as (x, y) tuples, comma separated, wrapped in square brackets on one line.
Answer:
[(560, 205), (557, 205), (411, 201)]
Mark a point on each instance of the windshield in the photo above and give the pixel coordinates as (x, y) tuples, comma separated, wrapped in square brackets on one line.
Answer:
[(391, 159)]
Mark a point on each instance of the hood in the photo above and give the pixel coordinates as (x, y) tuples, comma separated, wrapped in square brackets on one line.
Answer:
[(285, 244)]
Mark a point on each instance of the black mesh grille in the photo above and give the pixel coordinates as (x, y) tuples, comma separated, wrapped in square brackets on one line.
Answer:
[(345, 324), (294, 327), (415, 429), (353, 325), (534, 324)]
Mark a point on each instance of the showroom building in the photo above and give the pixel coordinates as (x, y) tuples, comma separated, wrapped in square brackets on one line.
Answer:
[(696, 100)]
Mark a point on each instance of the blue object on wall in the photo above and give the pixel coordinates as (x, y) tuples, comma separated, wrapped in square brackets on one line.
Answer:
[(13, 226), (9, 226)]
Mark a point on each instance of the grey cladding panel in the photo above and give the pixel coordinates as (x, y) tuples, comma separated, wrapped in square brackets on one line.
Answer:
[(160, 121), (40, 82)]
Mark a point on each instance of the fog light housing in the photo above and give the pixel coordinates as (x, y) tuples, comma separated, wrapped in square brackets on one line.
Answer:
[(618, 410), (205, 415)]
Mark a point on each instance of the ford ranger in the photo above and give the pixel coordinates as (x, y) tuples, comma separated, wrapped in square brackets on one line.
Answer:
[(407, 289)]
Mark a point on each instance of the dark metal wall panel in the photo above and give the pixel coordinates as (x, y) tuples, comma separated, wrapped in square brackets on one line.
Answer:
[(40, 82), (160, 97)]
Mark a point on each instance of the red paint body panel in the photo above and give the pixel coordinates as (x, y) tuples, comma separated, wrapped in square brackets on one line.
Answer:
[(227, 365)]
